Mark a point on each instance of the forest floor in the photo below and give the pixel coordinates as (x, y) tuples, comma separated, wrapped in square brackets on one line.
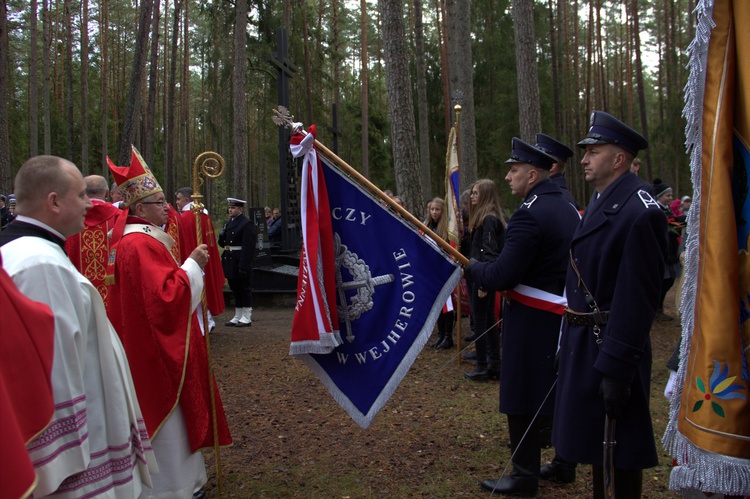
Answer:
[(438, 436)]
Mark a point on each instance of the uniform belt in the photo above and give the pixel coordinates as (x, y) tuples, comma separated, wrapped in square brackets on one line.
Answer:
[(586, 319), (232, 248)]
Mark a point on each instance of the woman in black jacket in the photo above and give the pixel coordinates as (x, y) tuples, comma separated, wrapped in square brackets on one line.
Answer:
[(487, 226), (437, 221)]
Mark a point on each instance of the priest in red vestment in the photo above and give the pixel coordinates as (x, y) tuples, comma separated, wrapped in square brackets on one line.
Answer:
[(89, 250), (26, 351), (214, 278), (152, 306)]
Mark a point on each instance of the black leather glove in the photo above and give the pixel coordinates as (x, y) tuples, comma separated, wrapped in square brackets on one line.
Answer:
[(616, 395)]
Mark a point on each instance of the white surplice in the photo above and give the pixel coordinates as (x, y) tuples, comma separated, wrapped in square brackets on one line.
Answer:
[(97, 443)]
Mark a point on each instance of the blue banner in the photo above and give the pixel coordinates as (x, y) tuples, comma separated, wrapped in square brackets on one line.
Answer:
[(391, 284)]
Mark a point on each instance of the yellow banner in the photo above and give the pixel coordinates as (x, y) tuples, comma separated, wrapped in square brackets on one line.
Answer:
[(714, 410)]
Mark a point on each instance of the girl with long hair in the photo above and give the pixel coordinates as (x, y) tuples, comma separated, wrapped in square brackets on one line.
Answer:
[(437, 221), (487, 226)]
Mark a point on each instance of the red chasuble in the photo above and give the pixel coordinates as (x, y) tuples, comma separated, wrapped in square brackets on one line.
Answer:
[(150, 310), (26, 405), (89, 250), (173, 229), (214, 277)]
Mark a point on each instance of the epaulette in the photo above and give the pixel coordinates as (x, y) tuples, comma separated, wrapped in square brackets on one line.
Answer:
[(527, 204), (647, 199)]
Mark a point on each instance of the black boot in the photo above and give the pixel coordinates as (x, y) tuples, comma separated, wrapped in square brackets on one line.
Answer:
[(439, 339), (478, 374), (559, 470), (447, 319), (513, 485), (524, 479)]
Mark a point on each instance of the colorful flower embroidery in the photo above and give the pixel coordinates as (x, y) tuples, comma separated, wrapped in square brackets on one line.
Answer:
[(720, 387)]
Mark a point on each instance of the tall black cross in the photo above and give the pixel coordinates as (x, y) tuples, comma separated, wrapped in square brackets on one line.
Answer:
[(290, 234)]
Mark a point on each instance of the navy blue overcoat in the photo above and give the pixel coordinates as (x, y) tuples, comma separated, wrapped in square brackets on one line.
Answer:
[(619, 250), (535, 254)]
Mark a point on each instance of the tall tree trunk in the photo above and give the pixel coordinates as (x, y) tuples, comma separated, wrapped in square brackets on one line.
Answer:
[(184, 159), (68, 15), (85, 87), (530, 116), (461, 70), (365, 88), (640, 84), (134, 89), (33, 84), (5, 178), (336, 83), (170, 159), (422, 106), (554, 33), (400, 104), (104, 42), (149, 127), (239, 141), (442, 31), (308, 66)]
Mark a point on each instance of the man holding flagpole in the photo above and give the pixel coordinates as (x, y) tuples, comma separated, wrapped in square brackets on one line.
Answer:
[(531, 269)]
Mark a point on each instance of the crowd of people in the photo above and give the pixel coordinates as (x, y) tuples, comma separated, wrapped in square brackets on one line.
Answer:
[(576, 355), (123, 406), (570, 354)]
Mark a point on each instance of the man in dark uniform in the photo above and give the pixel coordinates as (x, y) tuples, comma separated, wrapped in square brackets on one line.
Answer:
[(613, 282), (531, 269), (238, 238), (561, 153)]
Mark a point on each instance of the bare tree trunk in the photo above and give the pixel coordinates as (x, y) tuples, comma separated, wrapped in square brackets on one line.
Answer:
[(336, 83), (640, 84), (33, 84), (5, 178), (103, 29), (308, 66), (530, 116), (400, 104), (365, 133), (554, 33), (461, 70), (422, 106), (239, 142), (68, 15), (134, 91), (442, 31), (170, 159), (149, 126), (85, 87), (184, 158)]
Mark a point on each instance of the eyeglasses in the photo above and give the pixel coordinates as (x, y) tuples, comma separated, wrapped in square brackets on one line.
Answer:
[(473, 193), (160, 203)]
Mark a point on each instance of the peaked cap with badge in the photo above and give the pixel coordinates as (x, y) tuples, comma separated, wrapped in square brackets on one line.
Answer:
[(606, 129), (523, 152), (553, 147)]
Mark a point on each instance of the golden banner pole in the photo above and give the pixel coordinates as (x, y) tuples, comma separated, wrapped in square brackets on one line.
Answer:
[(211, 165), (283, 118), (457, 108)]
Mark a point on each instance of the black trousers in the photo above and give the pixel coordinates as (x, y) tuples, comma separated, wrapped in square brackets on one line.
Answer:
[(485, 330), (243, 291)]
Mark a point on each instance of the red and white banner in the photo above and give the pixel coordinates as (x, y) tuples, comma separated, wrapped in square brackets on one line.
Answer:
[(315, 316)]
